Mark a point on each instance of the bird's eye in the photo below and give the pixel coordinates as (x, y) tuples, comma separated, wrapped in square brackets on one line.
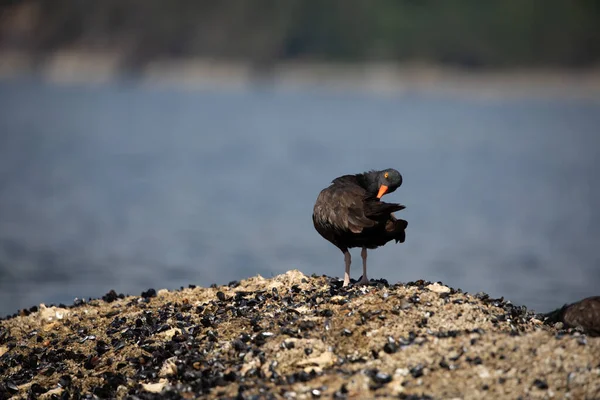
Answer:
[(386, 175)]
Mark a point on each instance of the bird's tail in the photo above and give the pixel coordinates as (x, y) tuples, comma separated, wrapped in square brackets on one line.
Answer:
[(396, 228)]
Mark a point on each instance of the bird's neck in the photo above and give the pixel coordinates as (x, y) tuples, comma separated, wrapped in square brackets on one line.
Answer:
[(369, 181)]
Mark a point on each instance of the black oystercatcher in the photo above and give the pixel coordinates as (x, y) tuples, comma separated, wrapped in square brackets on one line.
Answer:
[(349, 214)]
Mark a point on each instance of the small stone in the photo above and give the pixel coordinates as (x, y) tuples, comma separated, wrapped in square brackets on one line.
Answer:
[(444, 364), (558, 325), (110, 296), (65, 381), (326, 313), (149, 293), (540, 384), (437, 288), (476, 361), (483, 372), (417, 371), (382, 378), (390, 348), (155, 387)]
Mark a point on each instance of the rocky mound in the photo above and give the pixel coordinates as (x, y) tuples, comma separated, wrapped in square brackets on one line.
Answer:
[(294, 337)]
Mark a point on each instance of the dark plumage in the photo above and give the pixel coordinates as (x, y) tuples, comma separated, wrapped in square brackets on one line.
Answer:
[(584, 314), (349, 214)]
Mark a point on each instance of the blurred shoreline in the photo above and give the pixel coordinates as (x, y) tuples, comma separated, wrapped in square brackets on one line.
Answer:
[(86, 67)]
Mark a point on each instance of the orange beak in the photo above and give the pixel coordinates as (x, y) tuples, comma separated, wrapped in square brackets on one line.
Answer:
[(382, 190)]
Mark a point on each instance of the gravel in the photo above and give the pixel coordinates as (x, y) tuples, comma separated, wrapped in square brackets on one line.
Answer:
[(294, 337)]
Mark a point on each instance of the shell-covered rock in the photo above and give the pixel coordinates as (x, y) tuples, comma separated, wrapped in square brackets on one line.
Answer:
[(294, 337)]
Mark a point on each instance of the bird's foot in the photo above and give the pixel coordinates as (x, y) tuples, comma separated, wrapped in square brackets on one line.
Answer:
[(363, 281)]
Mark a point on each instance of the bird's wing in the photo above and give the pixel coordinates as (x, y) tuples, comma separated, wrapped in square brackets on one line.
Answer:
[(342, 208), (378, 210), (357, 220)]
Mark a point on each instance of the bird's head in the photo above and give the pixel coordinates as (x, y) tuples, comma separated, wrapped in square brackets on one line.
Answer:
[(383, 182)]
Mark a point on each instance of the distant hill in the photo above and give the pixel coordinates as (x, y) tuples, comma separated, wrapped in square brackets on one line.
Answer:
[(466, 33)]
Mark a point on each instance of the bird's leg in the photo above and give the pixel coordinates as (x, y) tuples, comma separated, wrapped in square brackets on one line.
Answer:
[(364, 280), (347, 261)]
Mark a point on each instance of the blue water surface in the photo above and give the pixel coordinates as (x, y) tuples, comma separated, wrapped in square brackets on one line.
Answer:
[(128, 187)]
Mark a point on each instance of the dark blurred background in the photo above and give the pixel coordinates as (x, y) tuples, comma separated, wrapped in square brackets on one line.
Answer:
[(466, 32), (148, 143)]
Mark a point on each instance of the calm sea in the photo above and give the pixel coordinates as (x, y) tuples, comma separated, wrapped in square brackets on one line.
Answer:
[(126, 187)]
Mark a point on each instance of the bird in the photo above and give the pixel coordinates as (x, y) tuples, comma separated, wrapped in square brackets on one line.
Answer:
[(349, 213), (584, 314)]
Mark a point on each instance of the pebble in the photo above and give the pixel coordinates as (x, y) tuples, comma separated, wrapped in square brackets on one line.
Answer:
[(148, 293), (416, 371), (540, 384), (390, 348), (382, 377)]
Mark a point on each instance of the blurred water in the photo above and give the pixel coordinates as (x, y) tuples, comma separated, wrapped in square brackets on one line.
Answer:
[(127, 187)]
